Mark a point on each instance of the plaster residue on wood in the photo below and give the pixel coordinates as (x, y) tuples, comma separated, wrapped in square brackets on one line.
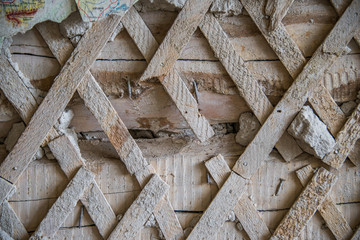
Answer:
[(248, 127), (311, 134)]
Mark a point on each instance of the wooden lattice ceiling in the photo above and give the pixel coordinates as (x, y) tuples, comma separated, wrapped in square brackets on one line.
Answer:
[(75, 76)]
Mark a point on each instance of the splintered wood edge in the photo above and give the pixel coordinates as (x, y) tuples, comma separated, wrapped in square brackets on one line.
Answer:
[(345, 140), (64, 204), (224, 202), (140, 210), (306, 205), (247, 85), (295, 97), (333, 217), (218, 169)]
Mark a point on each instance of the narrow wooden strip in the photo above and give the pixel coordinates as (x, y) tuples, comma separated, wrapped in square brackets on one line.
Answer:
[(333, 217), (224, 201), (177, 37), (63, 206), (6, 189), (247, 85), (356, 235), (57, 98), (10, 223), (345, 140), (218, 169), (258, 150), (277, 11), (141, 209), (117, 133), (99, 210), (244, 210), (306, 205), (172, 83)]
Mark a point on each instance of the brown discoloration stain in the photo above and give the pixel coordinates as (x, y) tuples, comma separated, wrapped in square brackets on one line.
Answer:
[(154, 123), (43, 84), (117, 134)]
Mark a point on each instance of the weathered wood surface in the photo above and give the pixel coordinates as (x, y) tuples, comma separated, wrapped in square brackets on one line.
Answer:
[(345, 140), (6, 189), (57, 98), (118, 135), (277, 10), (65, 203), (214, 216), (139, 212), (244, 209), (356, 234), (11, 224), (333, 217), (247, 85), (305, 207), (298, 93)]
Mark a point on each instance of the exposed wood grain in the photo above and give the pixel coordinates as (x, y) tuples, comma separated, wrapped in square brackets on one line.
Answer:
[(57, 98), (247, 85), (118, 135), (214, 216), (172, 82), (177, 37), (333, 217), (141, 209), (244, 209), (305, 207), (10, 223), (345, 140), (255, 153), (64, 204), (277, 11)]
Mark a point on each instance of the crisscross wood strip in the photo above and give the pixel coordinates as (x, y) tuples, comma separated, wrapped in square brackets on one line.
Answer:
[(10, 223), (356, 235), (117, 132), (172, 82), (176, 38), (293, 60), (141, 209), (277, 10), (65, 203), (214, 216), (6, 189), (345, 140), (295, 97), (57, 98), (244, 210), (306, 205), (247, 85), (333, 217), (94, 200)]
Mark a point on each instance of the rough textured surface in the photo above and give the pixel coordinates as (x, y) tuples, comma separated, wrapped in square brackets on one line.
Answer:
[(311, 134), (248, 127), (140, 211), (14, 134), (7, 112), (348, 107), (306, 205), (11, 224)]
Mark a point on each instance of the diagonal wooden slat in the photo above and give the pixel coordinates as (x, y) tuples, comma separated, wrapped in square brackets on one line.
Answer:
[(306, 205), (69, 159), (214, 216), (295, 97), (333, 217), (356, 235), (259, 149), (168, 52), (277, 10), (247, 85), (345, 140), (116, 131), (57, 98), (244, 210), (141, 209), (63, 206), (10, 223)]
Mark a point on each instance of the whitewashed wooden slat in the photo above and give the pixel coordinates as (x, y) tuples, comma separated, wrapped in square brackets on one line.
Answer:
[(11, 224), (277, 10)]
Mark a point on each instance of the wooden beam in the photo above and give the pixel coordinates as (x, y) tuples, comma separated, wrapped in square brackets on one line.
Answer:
[(244, 210), (6, 189), (172, 82), (333, 217), (65, 203), (10, 223), (57, 98), (306, 205), (247, 85), (328, 52), (141, 209), (214, 216), (345, 140)]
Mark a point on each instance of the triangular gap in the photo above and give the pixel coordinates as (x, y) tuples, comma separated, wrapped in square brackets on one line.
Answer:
[(308, 24), (79, 217)]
